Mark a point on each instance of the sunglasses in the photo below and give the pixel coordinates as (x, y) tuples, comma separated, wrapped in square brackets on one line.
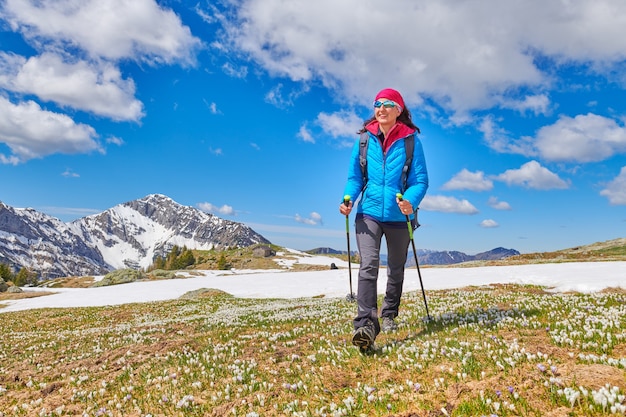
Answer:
[(388, 104)]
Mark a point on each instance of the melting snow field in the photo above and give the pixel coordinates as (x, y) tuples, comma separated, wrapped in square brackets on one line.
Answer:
[(280, 283)]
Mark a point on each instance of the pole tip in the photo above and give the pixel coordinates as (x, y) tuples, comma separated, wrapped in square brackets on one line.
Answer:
[(399, 196), (346, 197)]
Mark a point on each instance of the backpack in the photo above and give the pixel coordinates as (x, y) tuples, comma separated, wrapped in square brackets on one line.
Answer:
[(409, 144)]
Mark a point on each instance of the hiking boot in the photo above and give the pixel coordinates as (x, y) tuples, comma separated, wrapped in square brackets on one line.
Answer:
[(364, 336), (368, 351), (389, 325)]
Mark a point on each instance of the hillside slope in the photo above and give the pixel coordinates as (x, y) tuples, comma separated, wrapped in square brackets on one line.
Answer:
[(610, 250)]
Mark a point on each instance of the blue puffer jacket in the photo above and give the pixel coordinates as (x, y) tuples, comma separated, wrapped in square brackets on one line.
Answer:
[(378, 199)]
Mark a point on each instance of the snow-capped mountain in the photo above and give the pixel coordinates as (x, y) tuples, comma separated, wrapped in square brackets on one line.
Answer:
[(45, 244), (131, 234)]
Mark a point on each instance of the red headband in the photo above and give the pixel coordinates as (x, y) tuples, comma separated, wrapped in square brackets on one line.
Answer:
[(392, 95)]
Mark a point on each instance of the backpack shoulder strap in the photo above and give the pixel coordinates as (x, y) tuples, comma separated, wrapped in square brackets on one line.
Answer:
[(363, 142), (409, 144)]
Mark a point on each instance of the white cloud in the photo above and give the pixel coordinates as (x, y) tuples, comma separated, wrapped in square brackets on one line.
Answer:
[(532, 175), (446, 204), (115, 140), (304, 220), (584, 138), (9, 160), (305, 134), (112, 29), (209, 16), (232, 71), (212, 107), (489, 224), (501, 141), (68, 173), (314, 219), (557, 30), (71, 211), (466, 180), (97, 34), (31, 132), (95, 87), (275, 97), (498, 205), (615, 191), (224, 210), (340, 124), (483, 53), (536, 104)]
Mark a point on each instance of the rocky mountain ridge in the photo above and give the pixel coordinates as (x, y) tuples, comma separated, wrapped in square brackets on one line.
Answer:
[(131, 234), (431, 257)]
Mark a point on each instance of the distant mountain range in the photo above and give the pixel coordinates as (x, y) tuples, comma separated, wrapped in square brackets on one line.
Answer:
[(430, 257), (133, 234), (129, 235)]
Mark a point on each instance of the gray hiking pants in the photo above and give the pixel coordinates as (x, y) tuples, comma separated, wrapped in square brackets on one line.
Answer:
[(369, 235)]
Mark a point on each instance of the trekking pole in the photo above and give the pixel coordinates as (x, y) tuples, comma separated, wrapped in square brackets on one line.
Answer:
[(419, 274), (350, 297)]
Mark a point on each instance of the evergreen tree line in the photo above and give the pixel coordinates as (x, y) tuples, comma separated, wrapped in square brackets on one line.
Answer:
[(177, 258), (22, 278)]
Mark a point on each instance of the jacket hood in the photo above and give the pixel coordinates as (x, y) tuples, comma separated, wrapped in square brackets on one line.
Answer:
[(398, 131)]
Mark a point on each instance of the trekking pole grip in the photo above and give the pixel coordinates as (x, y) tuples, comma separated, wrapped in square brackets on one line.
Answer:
[(408, 219), (346, 202)]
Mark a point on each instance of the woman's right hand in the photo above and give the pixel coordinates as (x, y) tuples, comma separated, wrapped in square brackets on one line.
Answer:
[(345, 209)]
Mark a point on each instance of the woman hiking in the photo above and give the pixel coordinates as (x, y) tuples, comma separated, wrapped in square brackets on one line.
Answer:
[(380, 212)]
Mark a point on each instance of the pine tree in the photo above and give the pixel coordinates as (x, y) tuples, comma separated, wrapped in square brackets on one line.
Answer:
[(170, 262), (25, 277), (159, 263), (222, 264), (177, 258), (5, 272), (186, 258)]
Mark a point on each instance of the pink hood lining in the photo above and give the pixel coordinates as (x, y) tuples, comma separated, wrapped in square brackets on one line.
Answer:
[(398, 131)]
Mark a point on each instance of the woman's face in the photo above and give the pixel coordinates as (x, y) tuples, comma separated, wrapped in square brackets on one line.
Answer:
[(386, 112)]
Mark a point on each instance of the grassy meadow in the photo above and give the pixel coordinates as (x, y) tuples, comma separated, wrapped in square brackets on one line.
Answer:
[(496, 350)]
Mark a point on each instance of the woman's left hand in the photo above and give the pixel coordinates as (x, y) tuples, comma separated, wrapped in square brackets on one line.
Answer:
[(405, 206)]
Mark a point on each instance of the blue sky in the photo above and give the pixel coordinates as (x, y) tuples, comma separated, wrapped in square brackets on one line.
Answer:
[(248, 109)]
